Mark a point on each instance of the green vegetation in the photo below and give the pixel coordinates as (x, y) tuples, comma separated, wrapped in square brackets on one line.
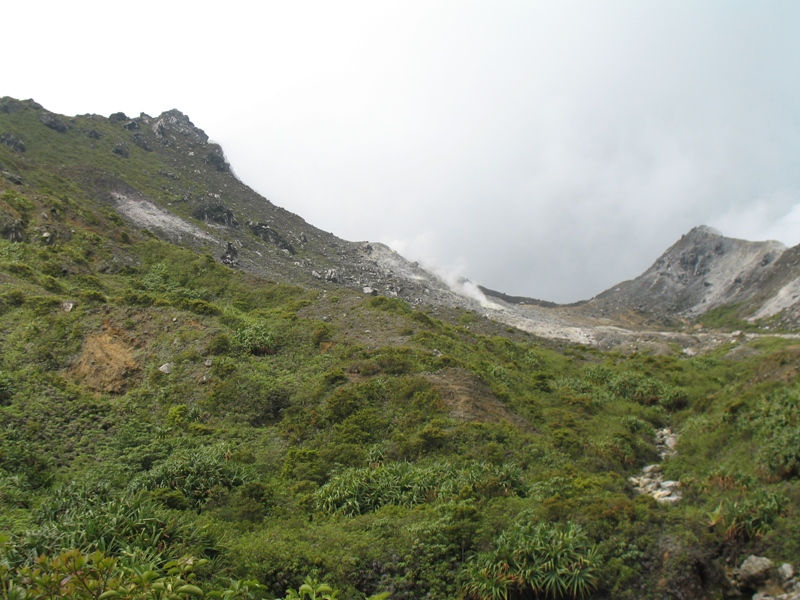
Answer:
[(170, 426)]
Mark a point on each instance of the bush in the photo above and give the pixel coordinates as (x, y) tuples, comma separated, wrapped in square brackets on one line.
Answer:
[(357, 491), (777, 422), (256, 339), (198, 474), (7, 388), (92, 518), (542, 559), (393, 305)]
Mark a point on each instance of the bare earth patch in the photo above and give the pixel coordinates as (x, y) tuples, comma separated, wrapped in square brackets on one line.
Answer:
[(469, 399), (106, 364)]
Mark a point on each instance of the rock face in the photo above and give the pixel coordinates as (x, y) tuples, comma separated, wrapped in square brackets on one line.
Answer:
[(754, 571), (705, 270), (216, 213), (190, 176), (52, 121), (12, 141)]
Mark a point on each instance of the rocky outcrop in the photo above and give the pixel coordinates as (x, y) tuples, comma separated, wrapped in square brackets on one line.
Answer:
[(756, 577), (12, 141), (231, 256), (141, 141), (705, 270), (216, 213), (216, 158), (52, 121), (121, 150), (268, 234), (118, 117), (173, 125)]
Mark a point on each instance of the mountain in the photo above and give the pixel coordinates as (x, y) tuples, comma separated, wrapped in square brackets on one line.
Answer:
[(704, 271), (218, 398), (163, 175)]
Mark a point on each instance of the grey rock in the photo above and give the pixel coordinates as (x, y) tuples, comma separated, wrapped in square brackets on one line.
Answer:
[(139, 139), (672, 499), (121, 150), (52, 121), (754, 571), (216, 158), (118, 117), (12, 141), (16, 179), (217, 213), (231, 256), (166, 368), (94, 134), (131, 126), (785, 572)]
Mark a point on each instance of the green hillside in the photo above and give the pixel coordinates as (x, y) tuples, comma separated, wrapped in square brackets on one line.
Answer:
[(169, 423)]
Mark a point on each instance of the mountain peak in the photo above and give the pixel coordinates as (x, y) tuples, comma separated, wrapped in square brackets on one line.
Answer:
[(702, 270)]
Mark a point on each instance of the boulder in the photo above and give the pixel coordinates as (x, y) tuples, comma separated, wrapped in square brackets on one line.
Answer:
[(230, 257), (754, 571), (217, 213), (12, 141), (121, 150), (785, 572), (216, 158), (138, 139), (94, 134), (118, 117), (52, 121), (268, 234)]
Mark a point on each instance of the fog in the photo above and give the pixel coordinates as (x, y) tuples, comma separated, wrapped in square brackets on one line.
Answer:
[(540, 149)]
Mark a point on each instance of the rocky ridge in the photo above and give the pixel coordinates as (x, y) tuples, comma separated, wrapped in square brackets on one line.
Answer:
[(705, 270), (186, 191)]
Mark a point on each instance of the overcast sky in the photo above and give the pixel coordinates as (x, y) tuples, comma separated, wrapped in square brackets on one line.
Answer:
[(542, 149)]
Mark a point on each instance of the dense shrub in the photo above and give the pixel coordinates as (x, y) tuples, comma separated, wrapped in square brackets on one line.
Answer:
[(542, 559), (198, 474), (777, 423), (359, 490)]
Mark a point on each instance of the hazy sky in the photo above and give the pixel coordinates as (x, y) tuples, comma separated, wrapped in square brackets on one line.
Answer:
[(542, 149)]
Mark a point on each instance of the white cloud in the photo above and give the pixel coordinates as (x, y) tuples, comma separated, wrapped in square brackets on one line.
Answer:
[(552, 149)]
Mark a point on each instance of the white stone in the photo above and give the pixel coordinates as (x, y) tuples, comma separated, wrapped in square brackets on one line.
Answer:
[(785, 572), (668, 500), (166, 368)]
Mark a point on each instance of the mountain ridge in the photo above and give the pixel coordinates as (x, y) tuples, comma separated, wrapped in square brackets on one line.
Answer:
[(187, 192)]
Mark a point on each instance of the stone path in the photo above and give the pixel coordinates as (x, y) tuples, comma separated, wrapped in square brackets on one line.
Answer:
[(651, 481)]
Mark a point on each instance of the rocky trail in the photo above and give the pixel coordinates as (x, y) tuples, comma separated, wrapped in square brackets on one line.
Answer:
[(651, 481)]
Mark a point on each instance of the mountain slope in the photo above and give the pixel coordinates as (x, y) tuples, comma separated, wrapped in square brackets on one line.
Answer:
[(192, 389), (704, 271), (162, 174)]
